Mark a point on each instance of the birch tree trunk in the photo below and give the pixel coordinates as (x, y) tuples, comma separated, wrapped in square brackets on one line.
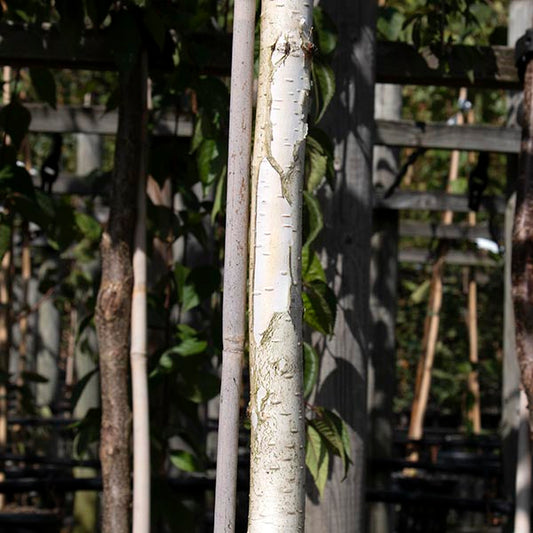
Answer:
[(235, 263), (139, 332), (277, 472), (113, 307), (346, 235)]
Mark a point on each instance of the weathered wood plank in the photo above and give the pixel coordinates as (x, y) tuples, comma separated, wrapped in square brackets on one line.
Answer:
[(436, 201), (491, 67), (415, 228), (70, 119), (445, 137), (453, 257), (469, 66)]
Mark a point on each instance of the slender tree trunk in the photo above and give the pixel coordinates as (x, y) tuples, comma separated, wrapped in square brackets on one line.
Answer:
[(520, 19), (139, 331), (277, 472), (113, 306), (522, 255), (235, 263)]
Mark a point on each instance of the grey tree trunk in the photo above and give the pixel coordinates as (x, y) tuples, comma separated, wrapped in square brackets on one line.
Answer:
[(235, 263), (342, 382), (520, 19), (113, 307)]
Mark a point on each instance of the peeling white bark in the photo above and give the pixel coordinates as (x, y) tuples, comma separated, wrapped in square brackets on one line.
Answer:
[(277, 475)]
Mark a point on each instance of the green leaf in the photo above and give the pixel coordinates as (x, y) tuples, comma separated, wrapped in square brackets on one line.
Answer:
[(5, 238), (311, 366), (325, 31), (185, 461), (317, 458), (44, 84), (88, 225), (211, 161), (205, 279), (200, 387), (188, 347), (220, 198), (15, 120), (311, 266), (420, 292), (318, 160), (97, 10), (334, 431), (313, 217), (80, 387), (319, 306), (155, 26), (323, 87), (34, 377)]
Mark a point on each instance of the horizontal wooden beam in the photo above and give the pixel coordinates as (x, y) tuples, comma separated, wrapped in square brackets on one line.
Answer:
[(95, 120), (445, 137), (401, 63), (453, 257), (415, 228), (436, 201), (465, 66)]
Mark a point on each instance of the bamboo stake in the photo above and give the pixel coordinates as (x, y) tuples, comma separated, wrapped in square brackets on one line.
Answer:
[(5, 306), (138, 356), (235, 263), (26, 276), (431, 325), (473, 410)]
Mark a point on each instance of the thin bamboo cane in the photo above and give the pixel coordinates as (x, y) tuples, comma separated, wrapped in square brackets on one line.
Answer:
[(235, 263), (5, 306), (26, 276), (473, 409), (138, 356), (432, 322)]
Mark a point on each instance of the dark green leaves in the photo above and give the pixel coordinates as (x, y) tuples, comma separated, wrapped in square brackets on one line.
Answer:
[(319, 306), (97, 10), (318, 160), (323, 87), (326, 435), (44, 84), (15, 120), (311, 366), (325, 32)]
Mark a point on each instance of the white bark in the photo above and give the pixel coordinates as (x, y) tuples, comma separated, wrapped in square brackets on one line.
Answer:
[(523, 472), (138, 354), (235, 263), (277, 472)]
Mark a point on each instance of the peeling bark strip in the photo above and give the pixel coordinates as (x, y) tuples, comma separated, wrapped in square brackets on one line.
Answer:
[(114, 305), (277, 475), (522, 253)]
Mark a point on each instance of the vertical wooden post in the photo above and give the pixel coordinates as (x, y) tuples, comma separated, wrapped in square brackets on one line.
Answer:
[(342, 380), (383, 289)]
